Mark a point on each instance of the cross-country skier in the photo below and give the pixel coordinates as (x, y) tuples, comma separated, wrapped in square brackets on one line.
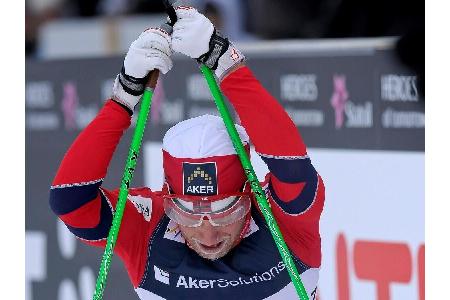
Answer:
[(202, 235)]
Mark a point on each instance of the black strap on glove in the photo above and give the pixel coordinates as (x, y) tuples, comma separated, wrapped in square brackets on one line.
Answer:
[(218, 45), (132, 85)]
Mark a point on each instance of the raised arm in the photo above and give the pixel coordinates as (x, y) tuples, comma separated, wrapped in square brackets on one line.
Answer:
[(294, 185), (296, 189), (293, 180), (76, 195)]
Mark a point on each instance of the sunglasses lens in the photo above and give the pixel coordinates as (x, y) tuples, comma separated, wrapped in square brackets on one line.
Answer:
[(179, 216), (220, 213)]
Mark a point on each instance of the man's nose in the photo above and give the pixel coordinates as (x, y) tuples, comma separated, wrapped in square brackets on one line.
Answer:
[(208, 233)]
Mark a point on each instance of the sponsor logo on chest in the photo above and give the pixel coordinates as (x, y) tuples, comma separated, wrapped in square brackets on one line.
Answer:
[(189, 282)]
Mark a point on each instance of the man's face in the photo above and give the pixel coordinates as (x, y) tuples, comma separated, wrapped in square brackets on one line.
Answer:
[(212, 242)]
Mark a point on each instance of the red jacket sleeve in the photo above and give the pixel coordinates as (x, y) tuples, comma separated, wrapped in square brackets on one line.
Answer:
[(86, 208), (296, 189)]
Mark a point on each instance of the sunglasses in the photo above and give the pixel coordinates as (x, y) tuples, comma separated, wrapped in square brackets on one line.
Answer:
[(221, 210)]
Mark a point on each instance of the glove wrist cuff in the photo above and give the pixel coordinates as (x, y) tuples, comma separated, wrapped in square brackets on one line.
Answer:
[(132, 85), (228, 61), (218, 45), (121, 95)]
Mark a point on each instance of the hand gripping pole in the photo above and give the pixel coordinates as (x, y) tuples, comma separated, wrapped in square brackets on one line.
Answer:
[(130, 167)]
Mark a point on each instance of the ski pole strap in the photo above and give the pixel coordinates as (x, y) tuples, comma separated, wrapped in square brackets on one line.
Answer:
[(254, 182), (125, 185)]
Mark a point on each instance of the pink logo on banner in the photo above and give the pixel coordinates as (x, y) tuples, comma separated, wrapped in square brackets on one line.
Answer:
[(338, 99), (69, 105)]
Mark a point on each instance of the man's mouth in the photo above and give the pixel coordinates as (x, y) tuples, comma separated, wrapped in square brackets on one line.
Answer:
[(211, 249), (215, 246)]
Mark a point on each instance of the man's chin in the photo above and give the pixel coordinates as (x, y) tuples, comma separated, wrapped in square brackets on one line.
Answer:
[(212, 257)]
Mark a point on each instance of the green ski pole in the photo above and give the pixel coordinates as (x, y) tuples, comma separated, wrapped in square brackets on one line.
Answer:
[(125, 184), (130, 165), (254, 182)]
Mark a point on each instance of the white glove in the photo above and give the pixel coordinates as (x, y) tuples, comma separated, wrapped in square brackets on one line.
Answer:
[(191, 32), (150, 51), (195, 36)]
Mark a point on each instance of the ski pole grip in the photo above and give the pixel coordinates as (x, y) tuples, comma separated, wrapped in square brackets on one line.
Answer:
[(167, 27), (152, 80), (168, 4)]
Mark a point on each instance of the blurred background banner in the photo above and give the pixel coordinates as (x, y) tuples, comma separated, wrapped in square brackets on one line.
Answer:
[(357, 107)]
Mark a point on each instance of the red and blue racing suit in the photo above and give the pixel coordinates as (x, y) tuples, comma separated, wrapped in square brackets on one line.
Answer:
[(160, 265)]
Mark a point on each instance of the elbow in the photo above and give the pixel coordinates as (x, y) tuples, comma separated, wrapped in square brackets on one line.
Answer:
[(64, 199), (299, 204)]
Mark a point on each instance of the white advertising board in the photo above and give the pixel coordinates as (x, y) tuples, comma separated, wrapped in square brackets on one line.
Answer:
[(373, 224)]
